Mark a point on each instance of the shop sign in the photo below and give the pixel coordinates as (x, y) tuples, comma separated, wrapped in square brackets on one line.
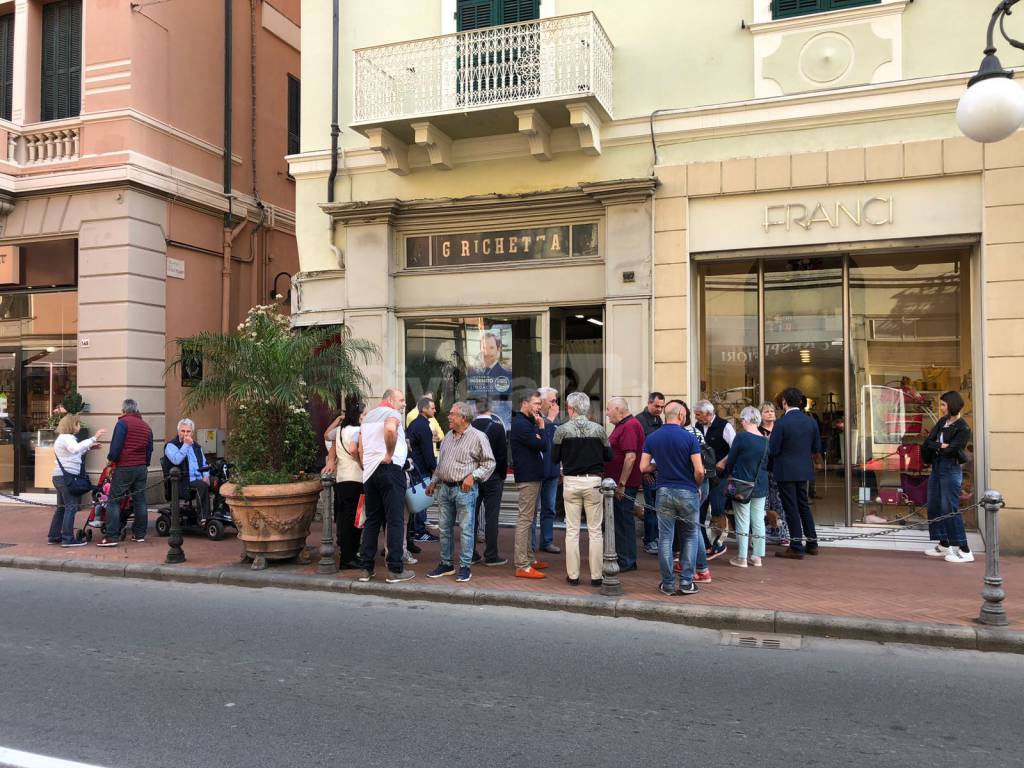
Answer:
[(10, 265), (176, 268), (874, 211), (578, 240)]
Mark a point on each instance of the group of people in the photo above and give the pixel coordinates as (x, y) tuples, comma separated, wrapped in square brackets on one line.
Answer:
[(129, 454)]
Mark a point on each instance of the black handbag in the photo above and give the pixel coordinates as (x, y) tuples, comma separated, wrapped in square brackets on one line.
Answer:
[(741, 490), (76, 485)]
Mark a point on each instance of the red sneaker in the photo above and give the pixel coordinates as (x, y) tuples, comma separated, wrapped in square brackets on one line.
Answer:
[(529, 573), (703, 576), (539, 565)]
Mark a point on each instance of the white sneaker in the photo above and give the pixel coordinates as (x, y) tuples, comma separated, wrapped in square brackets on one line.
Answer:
[(408, 558), (937, 551), (956, 555)]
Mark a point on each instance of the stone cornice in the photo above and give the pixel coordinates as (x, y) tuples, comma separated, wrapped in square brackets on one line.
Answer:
[(587, 198)]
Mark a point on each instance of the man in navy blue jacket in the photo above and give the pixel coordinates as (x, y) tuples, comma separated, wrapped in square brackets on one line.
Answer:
[(794, 444), (552, 473), (527, 443), (421, 451)]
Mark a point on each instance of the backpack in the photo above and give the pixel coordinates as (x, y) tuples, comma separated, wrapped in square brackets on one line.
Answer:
[(707, 455)]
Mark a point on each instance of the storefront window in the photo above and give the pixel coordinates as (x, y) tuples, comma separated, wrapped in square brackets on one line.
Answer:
[(910, 342), (729, 336), (906, 341), (468, 358)]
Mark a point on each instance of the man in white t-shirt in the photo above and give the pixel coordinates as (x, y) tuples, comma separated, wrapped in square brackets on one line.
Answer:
[(382, 452)]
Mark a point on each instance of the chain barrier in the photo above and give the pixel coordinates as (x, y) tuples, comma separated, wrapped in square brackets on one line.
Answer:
[(29, 502), (849, 537)]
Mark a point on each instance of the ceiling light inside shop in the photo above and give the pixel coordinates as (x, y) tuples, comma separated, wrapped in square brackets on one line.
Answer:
[(594, 320), (580, 317)]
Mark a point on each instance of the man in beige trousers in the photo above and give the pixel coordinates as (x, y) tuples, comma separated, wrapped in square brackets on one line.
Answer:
[(582, 447)]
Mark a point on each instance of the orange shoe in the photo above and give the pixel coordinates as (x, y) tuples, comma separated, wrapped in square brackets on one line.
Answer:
[(540, 566), (528, 573)]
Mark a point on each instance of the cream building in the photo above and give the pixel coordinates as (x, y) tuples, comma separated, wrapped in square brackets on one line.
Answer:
[(707, 199)]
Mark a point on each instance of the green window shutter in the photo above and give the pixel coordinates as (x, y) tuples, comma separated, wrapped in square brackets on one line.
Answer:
[(294, 95), (6, 65), (62, 60), (474, 14), (837, 5), (519, 10), (783, 9)]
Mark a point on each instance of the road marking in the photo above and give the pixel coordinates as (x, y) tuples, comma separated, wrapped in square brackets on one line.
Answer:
[(12, 758)]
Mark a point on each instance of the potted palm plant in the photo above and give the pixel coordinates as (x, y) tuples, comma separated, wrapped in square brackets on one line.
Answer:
[(266, 374)]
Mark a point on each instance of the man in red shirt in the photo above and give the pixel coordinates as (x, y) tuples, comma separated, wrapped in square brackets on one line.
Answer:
[(627, 441)]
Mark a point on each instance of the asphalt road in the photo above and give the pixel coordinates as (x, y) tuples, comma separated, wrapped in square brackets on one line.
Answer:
[(116, 672)]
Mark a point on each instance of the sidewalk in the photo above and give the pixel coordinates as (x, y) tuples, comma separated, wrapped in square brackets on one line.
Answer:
[(854, 584)]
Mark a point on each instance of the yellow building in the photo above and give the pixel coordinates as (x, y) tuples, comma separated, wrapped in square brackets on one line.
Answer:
[(714, 200)]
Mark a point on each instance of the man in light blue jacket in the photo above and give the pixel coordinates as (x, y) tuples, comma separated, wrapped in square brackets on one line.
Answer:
[(185, 453)]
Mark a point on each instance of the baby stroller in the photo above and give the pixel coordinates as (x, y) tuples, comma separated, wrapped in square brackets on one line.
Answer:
[(97, 519), (220, 514)]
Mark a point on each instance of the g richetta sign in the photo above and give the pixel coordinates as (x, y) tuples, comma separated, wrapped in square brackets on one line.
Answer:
[(874, 211)]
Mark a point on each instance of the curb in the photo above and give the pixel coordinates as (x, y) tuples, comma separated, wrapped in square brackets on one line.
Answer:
[(703, 616)]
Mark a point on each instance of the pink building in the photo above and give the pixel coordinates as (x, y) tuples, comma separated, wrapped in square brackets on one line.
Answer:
[(116, 233)]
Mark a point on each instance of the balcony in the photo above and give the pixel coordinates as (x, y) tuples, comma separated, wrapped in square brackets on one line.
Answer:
[(531, 77), (43, 144)]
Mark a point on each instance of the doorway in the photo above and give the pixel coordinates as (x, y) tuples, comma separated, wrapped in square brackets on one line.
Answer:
[(577, 355)]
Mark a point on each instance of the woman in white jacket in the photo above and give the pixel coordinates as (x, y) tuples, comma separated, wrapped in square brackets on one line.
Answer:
[(70, 453)]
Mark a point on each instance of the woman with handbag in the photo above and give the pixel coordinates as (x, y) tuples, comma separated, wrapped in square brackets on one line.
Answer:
[(946, 450), (70, 479), (747, 485), (343, 461)]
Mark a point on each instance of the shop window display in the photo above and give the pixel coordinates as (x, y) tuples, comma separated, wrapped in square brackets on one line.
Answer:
[(467, 358)]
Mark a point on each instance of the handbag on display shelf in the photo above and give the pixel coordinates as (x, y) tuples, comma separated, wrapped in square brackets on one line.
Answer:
[(910, 457), (915, 488), (890, 495)]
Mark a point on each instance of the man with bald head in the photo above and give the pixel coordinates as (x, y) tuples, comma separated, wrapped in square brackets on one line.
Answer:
[(627, 442), (382, 452)]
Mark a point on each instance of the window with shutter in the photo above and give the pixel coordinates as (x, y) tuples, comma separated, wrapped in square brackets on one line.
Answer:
[(294, 95), (6, 64), (474, 14), (784, 9), (61, 79)]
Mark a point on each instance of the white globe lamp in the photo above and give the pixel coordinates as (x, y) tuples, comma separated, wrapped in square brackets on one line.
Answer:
[(991, 110)]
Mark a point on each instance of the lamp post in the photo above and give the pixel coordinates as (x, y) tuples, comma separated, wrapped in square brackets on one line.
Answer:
[(610, 584), (327, 548), (993, 106)]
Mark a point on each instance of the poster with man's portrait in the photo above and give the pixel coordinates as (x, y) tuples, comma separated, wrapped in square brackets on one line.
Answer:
[(490, 369)]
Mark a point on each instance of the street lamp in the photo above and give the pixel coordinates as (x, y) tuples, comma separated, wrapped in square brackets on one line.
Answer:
[(993, 106)]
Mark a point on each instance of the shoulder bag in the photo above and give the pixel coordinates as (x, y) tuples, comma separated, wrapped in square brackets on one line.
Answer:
[(77, 485), (741, 490)]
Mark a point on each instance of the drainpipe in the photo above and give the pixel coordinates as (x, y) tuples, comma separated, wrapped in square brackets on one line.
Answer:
[(335, 131), (229, 233)]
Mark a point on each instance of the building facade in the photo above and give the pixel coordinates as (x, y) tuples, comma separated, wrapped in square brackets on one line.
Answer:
[(714, 202), (122, 227)]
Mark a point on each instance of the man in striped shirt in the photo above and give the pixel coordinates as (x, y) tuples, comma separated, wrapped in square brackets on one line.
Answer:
[(465, 460)]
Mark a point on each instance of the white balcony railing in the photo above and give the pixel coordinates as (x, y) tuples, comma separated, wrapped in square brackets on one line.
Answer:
[(43, 146), (565, 57)]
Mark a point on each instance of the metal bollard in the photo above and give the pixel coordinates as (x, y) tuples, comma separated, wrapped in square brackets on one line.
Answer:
[(610, 584), (993, 612), (175, 554), (327, 563)]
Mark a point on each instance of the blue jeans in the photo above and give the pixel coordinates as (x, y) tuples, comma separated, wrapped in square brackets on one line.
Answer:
[(677, 504), (62, 525), (128, 480), (456, 504), (944, 486), (625, 529), (650, 514), (546, 509)]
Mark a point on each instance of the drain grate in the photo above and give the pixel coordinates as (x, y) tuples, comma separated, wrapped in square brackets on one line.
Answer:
[(766, 640)]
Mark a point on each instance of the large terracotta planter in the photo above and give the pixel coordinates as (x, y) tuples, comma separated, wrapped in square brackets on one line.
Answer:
[(273, 520)]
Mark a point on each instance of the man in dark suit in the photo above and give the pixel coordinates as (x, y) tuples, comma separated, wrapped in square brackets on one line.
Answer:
[(794, 444)]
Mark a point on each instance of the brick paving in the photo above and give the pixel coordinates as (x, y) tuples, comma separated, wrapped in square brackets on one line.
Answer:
[(841, 582)]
